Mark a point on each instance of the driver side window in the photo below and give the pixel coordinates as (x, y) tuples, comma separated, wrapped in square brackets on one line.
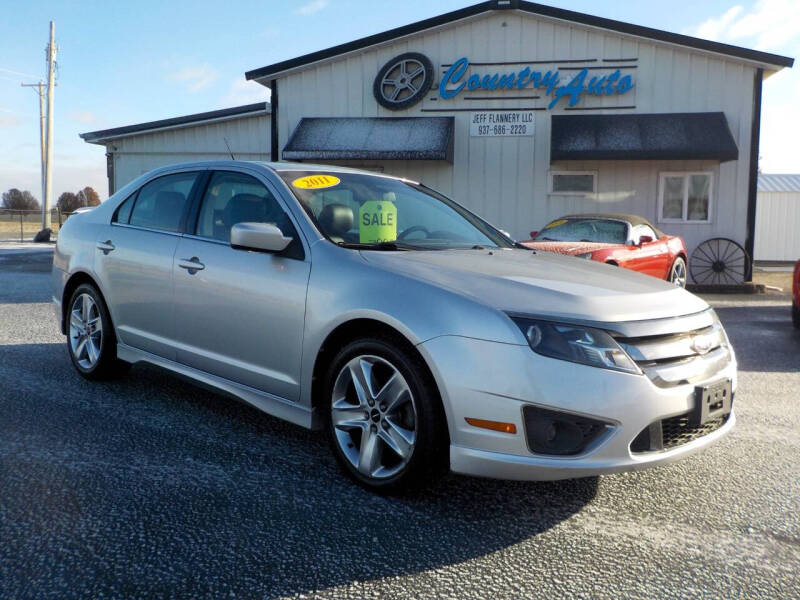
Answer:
[(232, 198)]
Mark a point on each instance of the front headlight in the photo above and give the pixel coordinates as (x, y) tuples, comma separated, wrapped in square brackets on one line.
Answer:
[(587, 255), (584, 345)]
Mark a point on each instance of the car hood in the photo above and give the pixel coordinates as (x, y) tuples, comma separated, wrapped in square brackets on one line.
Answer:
[(571, 248), (542, 283)]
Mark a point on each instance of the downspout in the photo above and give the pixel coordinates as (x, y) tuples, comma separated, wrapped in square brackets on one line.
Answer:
[(752, 186), (110, 169), (273, 121)]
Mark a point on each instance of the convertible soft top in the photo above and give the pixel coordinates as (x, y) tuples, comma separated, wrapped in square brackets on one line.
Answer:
[(632, 219)]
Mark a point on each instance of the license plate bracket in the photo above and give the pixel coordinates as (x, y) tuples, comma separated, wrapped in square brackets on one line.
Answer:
[(711, 401)]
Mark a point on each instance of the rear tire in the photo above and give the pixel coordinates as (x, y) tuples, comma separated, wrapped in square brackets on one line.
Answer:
[(91, 342), (796, 316), (384, 418), (677, 273)]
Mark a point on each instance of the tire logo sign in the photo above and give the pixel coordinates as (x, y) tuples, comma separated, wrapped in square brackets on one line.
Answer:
[(403, 81)]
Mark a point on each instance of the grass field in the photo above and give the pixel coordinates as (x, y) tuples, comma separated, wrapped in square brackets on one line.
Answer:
[(31, 224)]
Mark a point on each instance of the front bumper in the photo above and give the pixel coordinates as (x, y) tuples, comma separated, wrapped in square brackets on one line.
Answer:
[(493, 381)]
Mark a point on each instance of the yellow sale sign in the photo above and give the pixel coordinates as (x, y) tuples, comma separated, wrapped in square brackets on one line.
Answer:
[(377, 222)]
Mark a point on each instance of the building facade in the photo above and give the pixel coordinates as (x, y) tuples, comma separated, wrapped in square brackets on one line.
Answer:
[(137, 149), (548, 112), (778, 218)]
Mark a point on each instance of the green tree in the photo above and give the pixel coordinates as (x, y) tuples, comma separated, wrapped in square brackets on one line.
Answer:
[(68, 202), (18, 200)]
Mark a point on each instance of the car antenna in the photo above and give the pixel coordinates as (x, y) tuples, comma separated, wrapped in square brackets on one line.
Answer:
[(229, 148)]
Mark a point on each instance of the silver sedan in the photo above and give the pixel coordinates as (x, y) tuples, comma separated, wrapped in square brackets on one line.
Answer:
[(417, 335)]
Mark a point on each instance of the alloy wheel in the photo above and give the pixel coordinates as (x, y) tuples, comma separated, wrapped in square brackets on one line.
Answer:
[(678, 275), (374, 416), (85, 331)]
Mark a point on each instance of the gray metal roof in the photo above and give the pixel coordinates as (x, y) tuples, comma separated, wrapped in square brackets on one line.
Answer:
[(371, 138), (271, 71), (772, 182), (99, 137), (671, 136)]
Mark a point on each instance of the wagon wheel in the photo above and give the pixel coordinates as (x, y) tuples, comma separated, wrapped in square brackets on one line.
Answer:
[(719, 261)]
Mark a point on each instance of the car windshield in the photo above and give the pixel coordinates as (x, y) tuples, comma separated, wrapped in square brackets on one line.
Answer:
[(584, 230), (372, 211)]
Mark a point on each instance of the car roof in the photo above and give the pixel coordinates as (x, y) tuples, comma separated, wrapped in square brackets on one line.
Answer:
[(276, 167)]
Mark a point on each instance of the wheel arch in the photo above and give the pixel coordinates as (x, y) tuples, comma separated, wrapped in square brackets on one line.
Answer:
[(76, 279), (351, 330)]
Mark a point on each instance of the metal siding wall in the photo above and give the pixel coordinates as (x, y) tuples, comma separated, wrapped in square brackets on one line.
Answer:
[(249, 138), (777, 223), (505, 179)]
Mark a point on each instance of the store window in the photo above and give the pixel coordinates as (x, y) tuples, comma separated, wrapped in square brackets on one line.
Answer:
[(573, 182), (685, 197)]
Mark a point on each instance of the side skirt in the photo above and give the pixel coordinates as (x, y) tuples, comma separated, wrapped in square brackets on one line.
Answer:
[(263, 401)]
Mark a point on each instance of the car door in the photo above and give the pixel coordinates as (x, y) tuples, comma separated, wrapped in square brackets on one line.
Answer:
[(240, 314), (133, 261), (645, 257)]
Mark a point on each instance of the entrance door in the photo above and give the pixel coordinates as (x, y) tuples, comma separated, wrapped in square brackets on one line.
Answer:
[(240, 314)]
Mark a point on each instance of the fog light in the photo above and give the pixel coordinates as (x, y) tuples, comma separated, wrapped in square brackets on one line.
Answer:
[(558, 433), (493, 425)]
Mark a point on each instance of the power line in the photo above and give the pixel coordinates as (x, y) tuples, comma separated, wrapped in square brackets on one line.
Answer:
[(20, 73)]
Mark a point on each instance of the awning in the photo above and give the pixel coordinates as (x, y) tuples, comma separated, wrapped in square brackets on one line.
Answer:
[(372, 138), (672, 136)]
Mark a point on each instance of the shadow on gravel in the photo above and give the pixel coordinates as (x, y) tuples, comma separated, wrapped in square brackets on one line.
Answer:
[(149, 486), (763, 337)]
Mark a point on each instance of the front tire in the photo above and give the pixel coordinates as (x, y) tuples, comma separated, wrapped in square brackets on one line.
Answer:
[(677, 274), (91, 342), (384, 417)]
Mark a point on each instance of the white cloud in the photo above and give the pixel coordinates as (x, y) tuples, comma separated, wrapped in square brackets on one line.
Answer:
[(82, 116), (196, 78), (714, 28), (311, 8), (242, 91), (770, 26), (8, 121)]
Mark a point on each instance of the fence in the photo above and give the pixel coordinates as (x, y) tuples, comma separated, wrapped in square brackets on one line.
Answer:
[(22, 225)]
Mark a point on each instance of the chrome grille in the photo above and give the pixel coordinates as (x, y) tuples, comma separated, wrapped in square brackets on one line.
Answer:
[(679, 358)]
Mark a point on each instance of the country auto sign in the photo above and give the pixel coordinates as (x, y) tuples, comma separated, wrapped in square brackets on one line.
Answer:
[(406, 79)]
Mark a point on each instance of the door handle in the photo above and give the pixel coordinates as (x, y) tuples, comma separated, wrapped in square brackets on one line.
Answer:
[(106, 246), (193, 265)]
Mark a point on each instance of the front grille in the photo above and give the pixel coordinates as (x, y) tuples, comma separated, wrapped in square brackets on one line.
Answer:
[(679, 358), (670, 433)]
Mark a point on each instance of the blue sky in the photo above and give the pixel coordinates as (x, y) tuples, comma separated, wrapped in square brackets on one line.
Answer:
[(127, 62)]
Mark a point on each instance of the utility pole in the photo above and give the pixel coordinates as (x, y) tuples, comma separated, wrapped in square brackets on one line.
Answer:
[(42, 144), (48, 177)]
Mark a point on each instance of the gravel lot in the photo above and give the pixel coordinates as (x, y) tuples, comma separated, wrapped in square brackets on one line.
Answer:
[(151, 487)]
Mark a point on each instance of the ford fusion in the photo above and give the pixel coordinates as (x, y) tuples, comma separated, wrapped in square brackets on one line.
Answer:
[(416, 335)]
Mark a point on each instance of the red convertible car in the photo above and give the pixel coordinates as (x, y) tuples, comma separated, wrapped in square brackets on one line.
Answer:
[(796, 295), (626, 241)]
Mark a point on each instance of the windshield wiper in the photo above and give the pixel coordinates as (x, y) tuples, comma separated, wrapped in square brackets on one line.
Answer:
[(378, 246)]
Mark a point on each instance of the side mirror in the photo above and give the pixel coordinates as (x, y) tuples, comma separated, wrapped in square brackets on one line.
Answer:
[(645, 239), (264, 237), (534, 234)]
